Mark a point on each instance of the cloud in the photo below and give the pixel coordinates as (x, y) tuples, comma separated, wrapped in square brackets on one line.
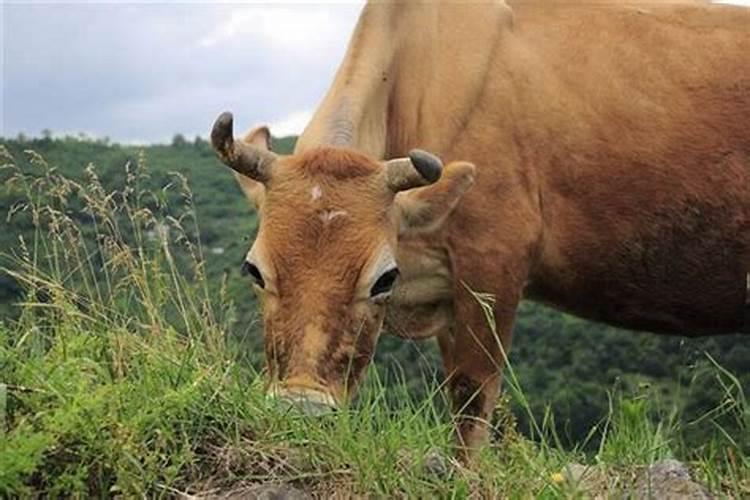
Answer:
[(290, 29), (292, 124)]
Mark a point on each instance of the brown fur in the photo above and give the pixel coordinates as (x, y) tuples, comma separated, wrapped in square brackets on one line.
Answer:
[(313, 325), (613, 179)]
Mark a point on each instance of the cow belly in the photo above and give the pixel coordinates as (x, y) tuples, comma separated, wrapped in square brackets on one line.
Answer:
[(686, 275), (672, 317), (671, 295)]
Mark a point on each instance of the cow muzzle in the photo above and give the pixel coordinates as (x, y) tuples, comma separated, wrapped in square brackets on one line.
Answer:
[(309, 402)]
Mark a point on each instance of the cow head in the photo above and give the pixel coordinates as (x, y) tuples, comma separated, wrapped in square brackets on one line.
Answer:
[(324, 262)]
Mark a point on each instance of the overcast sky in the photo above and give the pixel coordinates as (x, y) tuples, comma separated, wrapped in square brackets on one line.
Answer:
[(142, 71)]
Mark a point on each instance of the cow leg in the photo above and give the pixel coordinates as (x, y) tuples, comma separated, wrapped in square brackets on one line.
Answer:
[(482, 338), (446, 342)]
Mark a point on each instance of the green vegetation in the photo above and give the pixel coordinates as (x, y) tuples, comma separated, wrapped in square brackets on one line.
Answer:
[(129, 360)]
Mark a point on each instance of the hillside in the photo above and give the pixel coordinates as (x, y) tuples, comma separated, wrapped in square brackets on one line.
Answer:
[(172, 320)]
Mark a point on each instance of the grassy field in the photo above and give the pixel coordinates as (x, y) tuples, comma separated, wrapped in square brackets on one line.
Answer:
[(120, 378)]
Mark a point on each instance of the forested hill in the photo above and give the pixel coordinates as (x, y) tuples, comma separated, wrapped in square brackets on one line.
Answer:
[(560, 361)]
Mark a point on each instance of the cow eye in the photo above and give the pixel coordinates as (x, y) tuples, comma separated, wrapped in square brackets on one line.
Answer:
[(384, 284), (252, 270)]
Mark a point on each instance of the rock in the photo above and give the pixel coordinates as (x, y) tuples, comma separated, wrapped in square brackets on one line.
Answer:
[(669, 469), (669, 480), (265, 492), (437, 464), (665, 480)]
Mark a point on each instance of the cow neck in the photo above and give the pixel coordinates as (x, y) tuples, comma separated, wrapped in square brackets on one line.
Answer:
[(410, 78), (353, 112)]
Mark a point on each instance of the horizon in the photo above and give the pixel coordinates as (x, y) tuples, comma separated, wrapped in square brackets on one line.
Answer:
[(109, 141)]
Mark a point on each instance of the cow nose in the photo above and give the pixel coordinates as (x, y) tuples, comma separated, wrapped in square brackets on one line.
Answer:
[(308, 402), (307, 407)]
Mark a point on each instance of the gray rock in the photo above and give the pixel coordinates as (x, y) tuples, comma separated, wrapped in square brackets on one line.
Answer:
[(669, 480), (437, 464), (669, 469), (266, 492)]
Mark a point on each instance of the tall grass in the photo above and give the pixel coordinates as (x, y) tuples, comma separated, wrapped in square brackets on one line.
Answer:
[(118, 378)]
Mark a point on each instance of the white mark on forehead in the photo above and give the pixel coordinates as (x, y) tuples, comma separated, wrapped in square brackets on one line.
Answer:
[(328, 215), (316, 192)]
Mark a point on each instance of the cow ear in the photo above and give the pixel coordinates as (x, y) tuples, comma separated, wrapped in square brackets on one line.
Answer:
[(259, 137), (423, 210)]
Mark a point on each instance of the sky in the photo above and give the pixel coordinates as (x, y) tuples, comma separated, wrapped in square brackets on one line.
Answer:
[(143, 70)]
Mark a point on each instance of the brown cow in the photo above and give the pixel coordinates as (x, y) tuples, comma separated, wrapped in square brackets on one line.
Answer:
[(612, 153)]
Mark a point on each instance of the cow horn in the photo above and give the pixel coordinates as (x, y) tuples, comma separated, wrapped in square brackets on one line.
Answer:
[(250, 161), (419, 169)]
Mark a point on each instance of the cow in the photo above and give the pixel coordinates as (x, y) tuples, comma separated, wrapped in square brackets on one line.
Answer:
[(597, 159)]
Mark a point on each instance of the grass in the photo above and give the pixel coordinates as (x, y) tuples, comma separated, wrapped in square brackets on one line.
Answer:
[(119, 378)]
